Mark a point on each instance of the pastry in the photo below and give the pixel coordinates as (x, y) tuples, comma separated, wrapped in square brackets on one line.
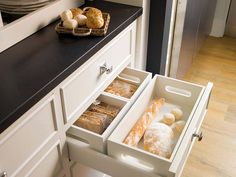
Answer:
[(121, 88), (70, 24), (81, 19), (158, 140), (66, 15), (93, 121), (94, 22), (142, 124), (76, 11), (168, 118), (94, 17), (93, 12), (178, 113), (104, 108)]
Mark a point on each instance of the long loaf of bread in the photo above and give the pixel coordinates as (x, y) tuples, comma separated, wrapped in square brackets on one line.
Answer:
[(142, 124)]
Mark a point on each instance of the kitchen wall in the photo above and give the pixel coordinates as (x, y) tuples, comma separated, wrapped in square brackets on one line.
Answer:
[(230, 29)]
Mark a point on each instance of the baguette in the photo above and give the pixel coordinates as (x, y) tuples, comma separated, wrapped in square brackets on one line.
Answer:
[(142, 124)]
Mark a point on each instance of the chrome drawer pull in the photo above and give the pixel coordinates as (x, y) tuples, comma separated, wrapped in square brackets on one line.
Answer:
[(4, 174), (104, 69), (199, 136)]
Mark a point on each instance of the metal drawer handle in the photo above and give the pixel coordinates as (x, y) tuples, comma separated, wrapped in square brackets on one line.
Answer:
[(105, 69), (3, 174), (199, 136)]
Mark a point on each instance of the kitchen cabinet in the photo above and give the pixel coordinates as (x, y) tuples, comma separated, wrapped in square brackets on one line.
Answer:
[(45, 142)]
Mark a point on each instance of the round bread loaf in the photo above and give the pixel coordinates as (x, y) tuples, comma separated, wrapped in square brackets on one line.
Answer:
[(158, 140)]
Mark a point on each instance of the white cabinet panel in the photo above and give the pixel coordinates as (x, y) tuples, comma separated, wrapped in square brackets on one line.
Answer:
[(26, 139)]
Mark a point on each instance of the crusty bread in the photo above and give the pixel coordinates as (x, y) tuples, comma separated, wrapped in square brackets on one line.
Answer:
[(94, 17), (93, 12), (94, 22), (158, 139), (142, 124)]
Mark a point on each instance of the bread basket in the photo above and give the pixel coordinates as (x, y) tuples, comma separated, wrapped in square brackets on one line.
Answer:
[(85, 31)]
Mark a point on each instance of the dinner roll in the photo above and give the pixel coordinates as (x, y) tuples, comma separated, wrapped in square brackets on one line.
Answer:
[(178, 126), (66, 15), (70, 24), (178, 113), (168, 118)]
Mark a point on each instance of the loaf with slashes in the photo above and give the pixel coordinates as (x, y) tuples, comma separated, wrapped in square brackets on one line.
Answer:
[(143, 123), (158, 139)]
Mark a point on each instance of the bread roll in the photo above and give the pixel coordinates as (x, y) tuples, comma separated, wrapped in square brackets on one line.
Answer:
[(178, 113), (177, 128), (168, 118), (70, 24), (94, 17), (93, 12), (142, 124), (76, 11), (66, 15), (94, 22), (81, 19), (158, 140)]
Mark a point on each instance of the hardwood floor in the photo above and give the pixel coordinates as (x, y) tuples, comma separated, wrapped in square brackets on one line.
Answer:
[(215, 155)]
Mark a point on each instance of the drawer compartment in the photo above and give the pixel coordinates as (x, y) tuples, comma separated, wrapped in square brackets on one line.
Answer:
[(191, 98), (98, 141), (36, 129), (96, 73)]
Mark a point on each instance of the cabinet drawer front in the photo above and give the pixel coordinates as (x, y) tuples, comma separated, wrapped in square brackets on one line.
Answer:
[(49, 165), (76, 91), (190, 103), (20, 145)]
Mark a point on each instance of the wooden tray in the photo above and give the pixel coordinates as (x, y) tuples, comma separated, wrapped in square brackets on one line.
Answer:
[(85, 31)]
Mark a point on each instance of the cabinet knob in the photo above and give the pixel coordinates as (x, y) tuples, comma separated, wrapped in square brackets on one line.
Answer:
[(198, 136), (3, 174), (105, 69)]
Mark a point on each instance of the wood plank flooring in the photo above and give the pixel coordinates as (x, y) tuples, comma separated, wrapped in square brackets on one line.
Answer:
[(215, 155)]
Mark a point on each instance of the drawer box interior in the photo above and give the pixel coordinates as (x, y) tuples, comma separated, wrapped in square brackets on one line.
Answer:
[(131, 77), (97, 141), (182, 94)]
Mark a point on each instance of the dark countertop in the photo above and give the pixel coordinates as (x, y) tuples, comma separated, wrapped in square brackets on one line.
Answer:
[(33, 67)]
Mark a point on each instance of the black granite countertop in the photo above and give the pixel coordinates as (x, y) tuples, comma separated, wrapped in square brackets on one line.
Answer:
[(33, 67)]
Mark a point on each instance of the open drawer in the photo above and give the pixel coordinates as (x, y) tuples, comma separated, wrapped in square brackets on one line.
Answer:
[(95, 139), (191, 98), (123, 160)]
